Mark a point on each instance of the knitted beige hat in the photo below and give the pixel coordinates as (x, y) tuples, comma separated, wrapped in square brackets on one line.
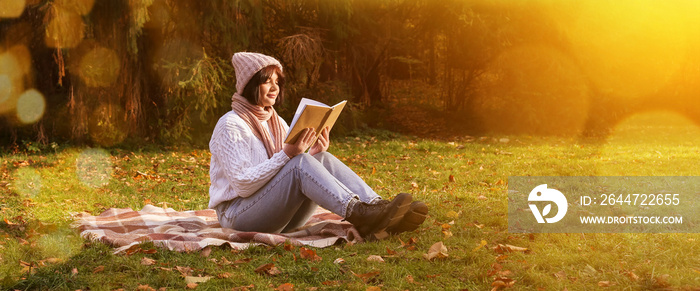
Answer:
[(247, 64)]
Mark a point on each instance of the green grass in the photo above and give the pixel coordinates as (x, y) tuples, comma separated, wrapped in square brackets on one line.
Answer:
[(41, 190)]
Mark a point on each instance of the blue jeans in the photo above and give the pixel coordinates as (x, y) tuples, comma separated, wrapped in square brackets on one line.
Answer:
[(291, 197)]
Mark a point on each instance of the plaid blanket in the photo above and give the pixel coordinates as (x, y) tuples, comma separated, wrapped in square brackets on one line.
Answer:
[(193, 230)]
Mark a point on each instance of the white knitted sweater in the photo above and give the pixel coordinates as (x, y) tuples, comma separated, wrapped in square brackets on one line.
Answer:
[(239, 164)]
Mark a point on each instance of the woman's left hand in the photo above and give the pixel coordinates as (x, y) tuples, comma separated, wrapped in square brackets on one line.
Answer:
[(322, 143)]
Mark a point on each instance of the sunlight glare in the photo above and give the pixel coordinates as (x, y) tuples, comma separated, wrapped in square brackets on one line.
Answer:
[(532, 90), (65, 28), (11, 8), (28, 182), (94, 167), (107, 125), (81, 7), (30, 106), (99, 67), (629, 49)]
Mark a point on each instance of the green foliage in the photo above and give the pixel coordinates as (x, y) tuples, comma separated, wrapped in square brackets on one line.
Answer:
[(197, 91)]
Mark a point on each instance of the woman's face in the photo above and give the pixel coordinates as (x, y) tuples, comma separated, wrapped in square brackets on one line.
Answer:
[(269, 90)]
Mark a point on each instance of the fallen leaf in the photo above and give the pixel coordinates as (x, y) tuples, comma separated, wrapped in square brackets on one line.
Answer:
[(145, 288), (373, 288), (561, 275), (98, 269), (191, 285), (147, 261), (330, 283), (206, 252), (604, 283), (436, 251), (223, 275), (414, 185), (481, 245), (192, 279), (632, 276), (309, 254), (366, 276), (482, 197), (662, 281), (375, 258), (506, 248), (243, 288), (268, 269), (339, 261), (184, 271), (391, 252), (285, 287), (74, 271)]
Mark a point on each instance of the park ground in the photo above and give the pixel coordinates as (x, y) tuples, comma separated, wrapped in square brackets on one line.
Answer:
[(463, 179)]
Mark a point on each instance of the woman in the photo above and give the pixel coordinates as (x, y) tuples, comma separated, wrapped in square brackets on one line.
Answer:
[(258, 183)]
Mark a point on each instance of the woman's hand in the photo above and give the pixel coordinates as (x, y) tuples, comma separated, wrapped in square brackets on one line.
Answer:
[(322, 143), (303, 142)]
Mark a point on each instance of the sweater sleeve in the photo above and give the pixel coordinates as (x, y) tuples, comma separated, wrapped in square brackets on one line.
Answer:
[(233, 145)]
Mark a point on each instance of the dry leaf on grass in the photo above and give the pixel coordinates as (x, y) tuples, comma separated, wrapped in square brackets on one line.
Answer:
[(436, 251), (205, 252), (604, 284), (339, 261), (506, 248), (375, 258), (191, 285), (373, 288), (481, 245), (309, 254), (366, 276), (285, 287), (268, 269), (145, 288), (561, 275), (147, 261), (192, 279), (502, 282), (98, 269)]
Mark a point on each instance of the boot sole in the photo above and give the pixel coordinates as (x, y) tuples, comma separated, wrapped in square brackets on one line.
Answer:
[(397, 209), (416, 215)]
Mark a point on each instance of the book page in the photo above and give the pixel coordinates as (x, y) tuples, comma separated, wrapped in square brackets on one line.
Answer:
[(300, 109), (312, 117)]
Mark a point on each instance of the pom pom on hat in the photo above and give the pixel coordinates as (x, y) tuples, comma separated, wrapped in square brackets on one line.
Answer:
[(247, 64)]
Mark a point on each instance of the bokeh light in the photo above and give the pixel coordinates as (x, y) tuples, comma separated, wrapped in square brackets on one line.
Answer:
[(99, 67), (94, 167), (107, 125), (651, 143), (65, 28), (28, 182), (11, 8), (175, 51), (10, 81), (30, 106), (23, 58), (532, 90), (5, 89), (629, 49), (81, 7)]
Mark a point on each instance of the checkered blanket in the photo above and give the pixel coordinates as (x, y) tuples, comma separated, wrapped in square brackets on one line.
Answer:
[(195, 229)]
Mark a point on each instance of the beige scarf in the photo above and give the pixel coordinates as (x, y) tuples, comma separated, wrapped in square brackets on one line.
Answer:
[(253, 115)]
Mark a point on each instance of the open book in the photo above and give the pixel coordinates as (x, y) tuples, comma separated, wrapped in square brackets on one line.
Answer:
[(313, 114)]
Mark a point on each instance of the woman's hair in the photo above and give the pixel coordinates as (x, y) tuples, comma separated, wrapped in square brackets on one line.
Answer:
[(251, 92)]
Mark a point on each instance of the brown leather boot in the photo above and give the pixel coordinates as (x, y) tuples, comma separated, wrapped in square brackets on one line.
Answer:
[(372, 220)]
